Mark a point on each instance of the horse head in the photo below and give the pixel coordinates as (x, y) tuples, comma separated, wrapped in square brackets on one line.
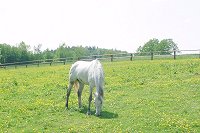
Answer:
[(98, 100)]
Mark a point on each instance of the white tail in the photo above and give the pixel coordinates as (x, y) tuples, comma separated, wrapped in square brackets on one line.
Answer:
[(76, 86)]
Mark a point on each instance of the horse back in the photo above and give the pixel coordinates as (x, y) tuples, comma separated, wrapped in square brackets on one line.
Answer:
[(79, 71)]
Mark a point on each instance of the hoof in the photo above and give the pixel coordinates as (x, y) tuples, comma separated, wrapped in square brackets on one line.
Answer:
[(97, 114), (66, 108), (88, 113)]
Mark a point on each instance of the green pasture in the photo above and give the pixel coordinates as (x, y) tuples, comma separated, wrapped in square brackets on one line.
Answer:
[(140, 96)]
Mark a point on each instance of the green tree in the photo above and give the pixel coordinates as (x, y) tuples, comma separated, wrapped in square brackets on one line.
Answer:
[(162, 47), (17, 53), (38, 55), (148, 47), (48, 54), (61, 52), (23, 53), (80, 51), (6, 51), (166, 46)]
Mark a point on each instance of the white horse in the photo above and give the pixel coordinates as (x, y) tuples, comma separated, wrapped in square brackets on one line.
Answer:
[(90, 73)]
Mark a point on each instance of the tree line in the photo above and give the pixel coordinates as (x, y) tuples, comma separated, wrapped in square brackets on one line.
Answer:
[(22, 52)]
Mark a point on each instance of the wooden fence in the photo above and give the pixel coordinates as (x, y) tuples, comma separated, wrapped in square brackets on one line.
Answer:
[(112, 57)]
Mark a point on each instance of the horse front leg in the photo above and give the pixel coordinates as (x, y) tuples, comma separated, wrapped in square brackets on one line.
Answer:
[(68, 93), (90, 99)]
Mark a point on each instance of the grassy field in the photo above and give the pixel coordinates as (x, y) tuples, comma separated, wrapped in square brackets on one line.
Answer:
[(140, 96)]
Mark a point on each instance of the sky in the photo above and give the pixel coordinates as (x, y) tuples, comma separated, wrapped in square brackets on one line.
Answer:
[(113, 24)]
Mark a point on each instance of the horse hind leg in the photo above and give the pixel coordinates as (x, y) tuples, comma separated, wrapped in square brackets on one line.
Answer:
[(79, 93), (68, 93)]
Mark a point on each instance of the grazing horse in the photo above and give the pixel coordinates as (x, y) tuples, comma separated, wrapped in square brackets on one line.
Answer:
[(89, 73)]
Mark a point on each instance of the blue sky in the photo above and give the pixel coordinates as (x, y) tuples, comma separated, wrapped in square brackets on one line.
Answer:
[(120, 24)]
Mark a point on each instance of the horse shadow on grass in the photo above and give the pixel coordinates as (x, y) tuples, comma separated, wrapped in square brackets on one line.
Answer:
[(104, 114)]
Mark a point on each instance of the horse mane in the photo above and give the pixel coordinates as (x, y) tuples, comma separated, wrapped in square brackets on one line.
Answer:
[(99, 77)]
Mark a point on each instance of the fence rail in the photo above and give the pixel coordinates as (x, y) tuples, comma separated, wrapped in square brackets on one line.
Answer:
[(111, 57)]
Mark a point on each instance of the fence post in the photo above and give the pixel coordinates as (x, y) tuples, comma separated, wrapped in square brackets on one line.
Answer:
[(174, 54), (131, 57), (151, 55), (111, 58), (64, 61)]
